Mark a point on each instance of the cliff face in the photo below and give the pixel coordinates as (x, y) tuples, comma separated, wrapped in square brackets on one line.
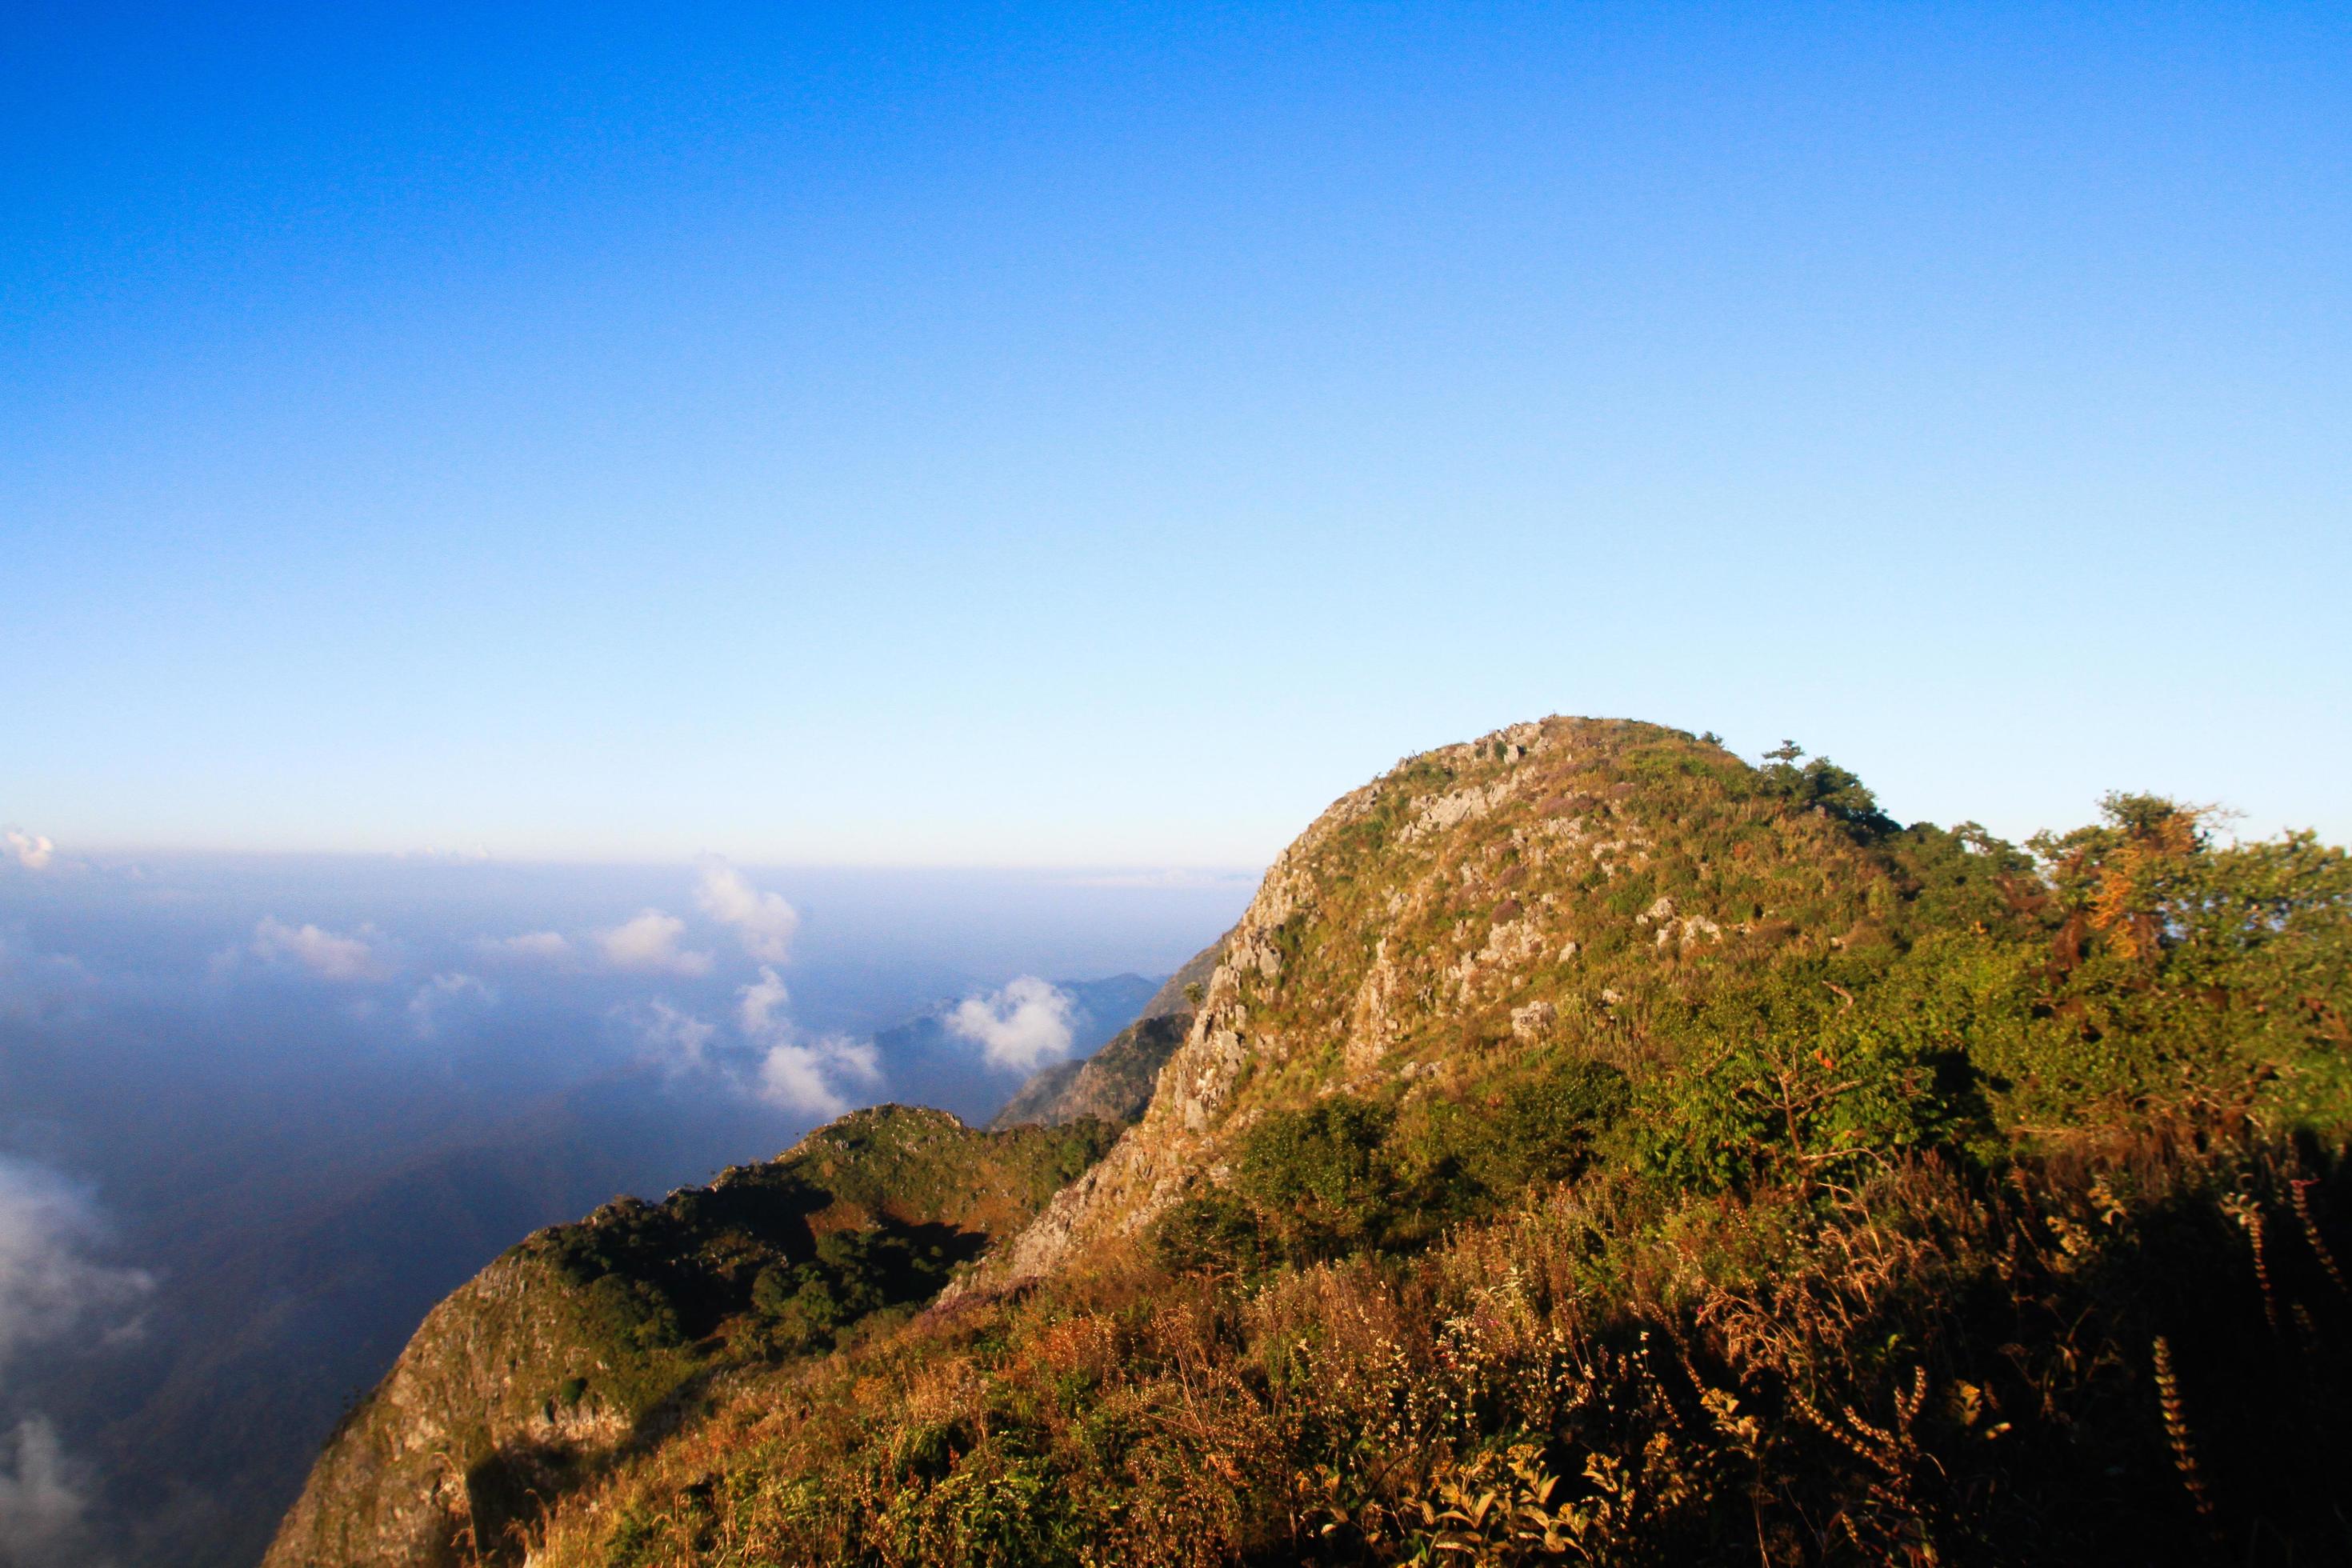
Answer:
[(578, 1343)]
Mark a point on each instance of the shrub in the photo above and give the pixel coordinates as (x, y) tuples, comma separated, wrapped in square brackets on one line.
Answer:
[(1799, 1080)]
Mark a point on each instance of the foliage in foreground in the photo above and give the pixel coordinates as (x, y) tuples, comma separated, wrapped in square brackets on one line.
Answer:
[(2136, 1352)]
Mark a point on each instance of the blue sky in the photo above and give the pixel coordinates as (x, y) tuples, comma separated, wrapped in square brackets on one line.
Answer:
[(1099, 437)]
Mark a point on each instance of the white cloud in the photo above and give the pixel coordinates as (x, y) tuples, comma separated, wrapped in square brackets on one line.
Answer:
[(32, 851), (43, 1494), (788, 1071), (759, 1006), (795, 1074), (51, 1290), (678, 1040), (649, 942), (1022, 1026), (49, 1285), (804, 1077), (763, 922), (437, 995), (324, 953), (533, 946)]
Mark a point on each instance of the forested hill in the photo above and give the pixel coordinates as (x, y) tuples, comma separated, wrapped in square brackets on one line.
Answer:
[(1591, 1147)]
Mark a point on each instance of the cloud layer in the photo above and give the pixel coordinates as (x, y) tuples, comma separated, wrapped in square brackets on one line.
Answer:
[(796, 1074), (442, 994), (1021, 1028), (51, 1287), (535, 946), (324, 953), (53, 1292), (759, 1006), (675, 1038), (763, 922), (32, 851), (43, 1496), (649, 944)]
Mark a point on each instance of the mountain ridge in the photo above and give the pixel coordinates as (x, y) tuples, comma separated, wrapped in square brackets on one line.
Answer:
[(549, 1361), (1590, 1145)]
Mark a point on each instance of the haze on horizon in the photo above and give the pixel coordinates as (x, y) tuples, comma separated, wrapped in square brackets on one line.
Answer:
[(1088, 437)]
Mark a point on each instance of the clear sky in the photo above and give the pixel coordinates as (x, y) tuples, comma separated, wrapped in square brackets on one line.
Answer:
[(1093, 436)]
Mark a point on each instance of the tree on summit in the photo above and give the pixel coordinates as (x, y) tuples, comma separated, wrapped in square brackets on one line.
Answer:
[(1823, 784)]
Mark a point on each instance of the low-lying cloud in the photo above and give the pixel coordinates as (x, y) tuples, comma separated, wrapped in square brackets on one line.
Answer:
[(55, 1296), (51, 1286), (759, 1006), (1021, 1028), (653, 941), (763, 922), (649, 944), (443, 995), (772, 1061), (676, 1039), (33, 851), (44, 1495), (808, 1076), (325, 954), (531, 947)]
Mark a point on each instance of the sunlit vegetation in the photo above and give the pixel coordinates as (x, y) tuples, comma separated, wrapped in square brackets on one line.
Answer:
[(591, 1341), (1735, 1175)]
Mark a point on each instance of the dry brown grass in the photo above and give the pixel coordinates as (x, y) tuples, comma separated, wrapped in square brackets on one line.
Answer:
[(1927, 1368)]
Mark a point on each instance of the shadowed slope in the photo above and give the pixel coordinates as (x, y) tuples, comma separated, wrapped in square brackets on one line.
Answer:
[(567, 1350)]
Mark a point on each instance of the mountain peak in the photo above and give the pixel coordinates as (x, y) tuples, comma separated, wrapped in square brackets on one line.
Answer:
[(1512, 897)]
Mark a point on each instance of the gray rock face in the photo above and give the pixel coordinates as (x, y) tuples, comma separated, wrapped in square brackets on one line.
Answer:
[(394, 1487), (1150, 1165)]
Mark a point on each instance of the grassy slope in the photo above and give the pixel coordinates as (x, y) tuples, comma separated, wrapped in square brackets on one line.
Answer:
[(582, 1341), (1593, 1147)]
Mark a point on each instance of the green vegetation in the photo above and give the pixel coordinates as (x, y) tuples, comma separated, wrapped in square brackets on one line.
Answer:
[(588, 1339), (1595, 1149), (1348, 1176), (875, 1211)]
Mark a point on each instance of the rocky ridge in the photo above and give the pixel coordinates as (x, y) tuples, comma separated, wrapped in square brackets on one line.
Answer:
[(1587, 1138), (1482, 892)]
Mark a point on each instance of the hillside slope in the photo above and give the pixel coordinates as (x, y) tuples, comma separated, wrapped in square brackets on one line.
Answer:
[(581, 1340), (1591, 1147), (1481, 908)]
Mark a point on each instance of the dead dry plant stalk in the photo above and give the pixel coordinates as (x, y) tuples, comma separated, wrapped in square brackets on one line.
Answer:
[(2300, 1191), (2262, 1270), (2242, 1208), (2175, 1429)]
